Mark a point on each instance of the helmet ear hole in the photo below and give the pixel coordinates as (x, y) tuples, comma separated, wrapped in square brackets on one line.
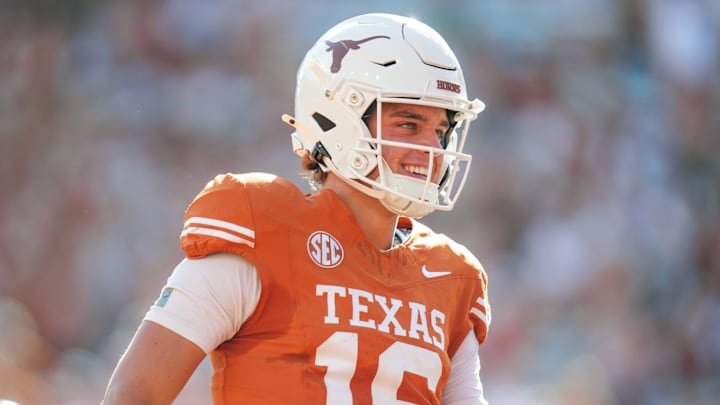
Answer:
[(324, 122)]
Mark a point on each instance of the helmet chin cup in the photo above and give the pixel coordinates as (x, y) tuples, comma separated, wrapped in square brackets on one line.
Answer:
[(410, 209), (410, 196)]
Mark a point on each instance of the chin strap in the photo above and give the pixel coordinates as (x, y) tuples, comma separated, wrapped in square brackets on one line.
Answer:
[(319, 153)]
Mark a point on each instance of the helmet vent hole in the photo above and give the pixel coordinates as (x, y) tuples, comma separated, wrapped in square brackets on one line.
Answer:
[(323, 121), (386, 64)]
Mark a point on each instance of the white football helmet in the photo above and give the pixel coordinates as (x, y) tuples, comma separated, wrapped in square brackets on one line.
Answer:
[(365, 61)]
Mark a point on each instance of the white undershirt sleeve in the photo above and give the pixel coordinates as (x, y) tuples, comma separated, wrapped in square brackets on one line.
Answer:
[(464, 386), (207, 300)]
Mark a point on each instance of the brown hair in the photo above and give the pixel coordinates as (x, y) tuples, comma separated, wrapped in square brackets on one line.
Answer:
[(312, 171)]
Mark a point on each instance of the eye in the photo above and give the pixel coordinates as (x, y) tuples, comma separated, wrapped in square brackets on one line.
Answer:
[(443, 136), (408, 125), (444, 132)]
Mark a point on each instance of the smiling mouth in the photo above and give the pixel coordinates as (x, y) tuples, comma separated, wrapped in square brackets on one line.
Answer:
[(416, 171)]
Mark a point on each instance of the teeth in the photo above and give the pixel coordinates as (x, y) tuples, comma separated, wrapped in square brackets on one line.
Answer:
[(422, 171)]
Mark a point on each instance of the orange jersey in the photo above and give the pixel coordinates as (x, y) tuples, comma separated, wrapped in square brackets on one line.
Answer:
[(338, 321)]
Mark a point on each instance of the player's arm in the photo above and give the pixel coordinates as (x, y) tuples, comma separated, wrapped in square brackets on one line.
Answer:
[(204, 303), (155, 367), (464, 386)]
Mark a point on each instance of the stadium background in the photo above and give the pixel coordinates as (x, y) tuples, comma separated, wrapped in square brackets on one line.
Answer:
[(594, 200)]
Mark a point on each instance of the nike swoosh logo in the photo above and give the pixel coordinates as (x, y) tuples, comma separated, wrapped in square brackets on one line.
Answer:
[(432, 274)]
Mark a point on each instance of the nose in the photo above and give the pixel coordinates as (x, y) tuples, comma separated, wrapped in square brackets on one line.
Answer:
[(430, 138)]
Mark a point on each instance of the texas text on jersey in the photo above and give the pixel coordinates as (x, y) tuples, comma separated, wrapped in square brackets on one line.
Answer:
[(338, 321)]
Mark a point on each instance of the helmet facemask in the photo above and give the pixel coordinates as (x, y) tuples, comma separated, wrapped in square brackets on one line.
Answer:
[(447, 169)]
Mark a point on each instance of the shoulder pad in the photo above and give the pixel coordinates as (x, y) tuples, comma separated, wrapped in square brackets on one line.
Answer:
[(222, 216)]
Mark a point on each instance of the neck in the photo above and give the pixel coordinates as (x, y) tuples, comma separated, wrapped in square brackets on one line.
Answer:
[(374, 219)]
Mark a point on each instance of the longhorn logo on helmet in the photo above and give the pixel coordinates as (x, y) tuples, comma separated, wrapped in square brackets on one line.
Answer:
[(340, 49)]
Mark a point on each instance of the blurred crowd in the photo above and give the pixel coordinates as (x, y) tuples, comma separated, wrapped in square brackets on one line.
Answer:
[(594, 201)]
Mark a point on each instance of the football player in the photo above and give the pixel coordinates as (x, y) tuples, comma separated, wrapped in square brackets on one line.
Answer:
[(339, 296)]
